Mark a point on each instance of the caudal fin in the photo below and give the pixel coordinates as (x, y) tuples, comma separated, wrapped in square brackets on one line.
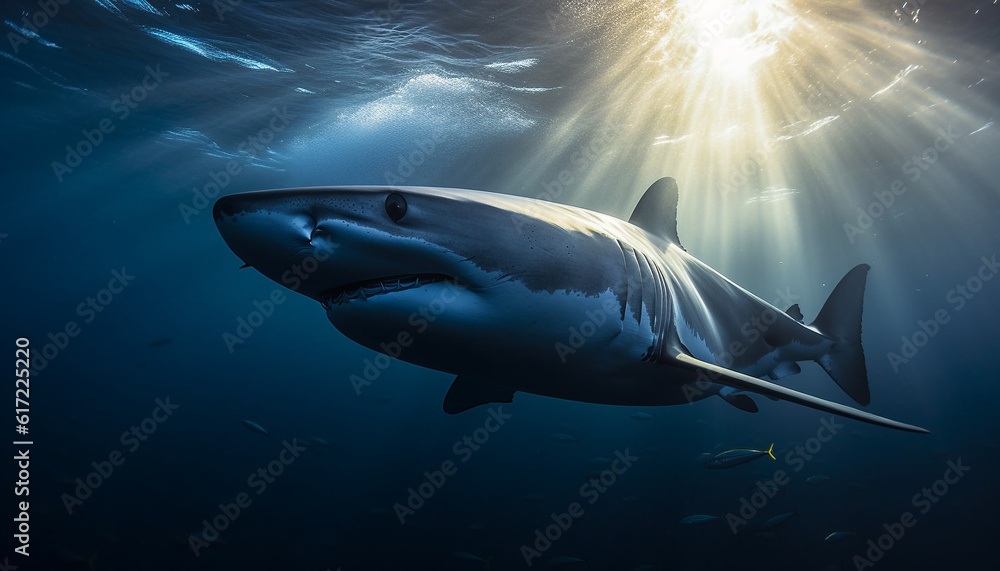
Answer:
[(840, 319)]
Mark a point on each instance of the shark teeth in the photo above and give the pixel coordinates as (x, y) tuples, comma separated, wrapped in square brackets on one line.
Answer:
[(364, 290)]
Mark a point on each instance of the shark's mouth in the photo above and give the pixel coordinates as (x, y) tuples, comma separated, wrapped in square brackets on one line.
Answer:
[(363, 290)]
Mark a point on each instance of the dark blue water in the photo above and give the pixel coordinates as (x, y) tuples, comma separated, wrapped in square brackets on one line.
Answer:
[(787, 126)]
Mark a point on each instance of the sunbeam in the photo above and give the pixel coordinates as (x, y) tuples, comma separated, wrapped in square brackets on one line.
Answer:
[(740, 98)]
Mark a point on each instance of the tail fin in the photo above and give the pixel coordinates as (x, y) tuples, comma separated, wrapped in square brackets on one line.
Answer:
[(840, 319), (770, 452)]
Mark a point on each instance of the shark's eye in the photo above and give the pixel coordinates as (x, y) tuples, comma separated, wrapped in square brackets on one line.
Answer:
[(395, 206)]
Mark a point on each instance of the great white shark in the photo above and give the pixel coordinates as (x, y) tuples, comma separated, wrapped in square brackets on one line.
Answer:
[(516, 294)]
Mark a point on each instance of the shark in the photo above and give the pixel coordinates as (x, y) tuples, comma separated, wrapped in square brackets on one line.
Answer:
[(514, 294)]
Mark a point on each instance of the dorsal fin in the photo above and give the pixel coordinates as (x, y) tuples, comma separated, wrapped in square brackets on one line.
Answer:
[(656, 211)]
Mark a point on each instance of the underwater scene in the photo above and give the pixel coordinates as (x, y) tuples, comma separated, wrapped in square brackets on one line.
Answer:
[(504, 284)]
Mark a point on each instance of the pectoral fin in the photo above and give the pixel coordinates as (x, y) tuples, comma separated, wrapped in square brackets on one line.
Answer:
[(470, 392), (738, 399), (785, 369), (737, 380)]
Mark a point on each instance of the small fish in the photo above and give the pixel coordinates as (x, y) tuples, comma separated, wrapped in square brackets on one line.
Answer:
[(466, 556), (533, 498), (770, 488), (779, 520), (161, 342), (817, 479), (311, 442), (601, 462), (765, 535), (642, 416), (698, 518), (737, 456), (563, 437), (838, 536), (254, 427)]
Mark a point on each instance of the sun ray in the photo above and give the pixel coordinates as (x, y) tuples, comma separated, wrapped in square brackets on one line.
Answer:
[(739, 98)]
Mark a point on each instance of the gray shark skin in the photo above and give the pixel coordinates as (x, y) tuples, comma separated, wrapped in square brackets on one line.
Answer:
[(516, 294)]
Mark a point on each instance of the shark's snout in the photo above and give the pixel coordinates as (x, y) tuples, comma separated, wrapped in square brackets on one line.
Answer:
[(334, 247), (241, 204), (240, 231), (226, 206), (264, 234)]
